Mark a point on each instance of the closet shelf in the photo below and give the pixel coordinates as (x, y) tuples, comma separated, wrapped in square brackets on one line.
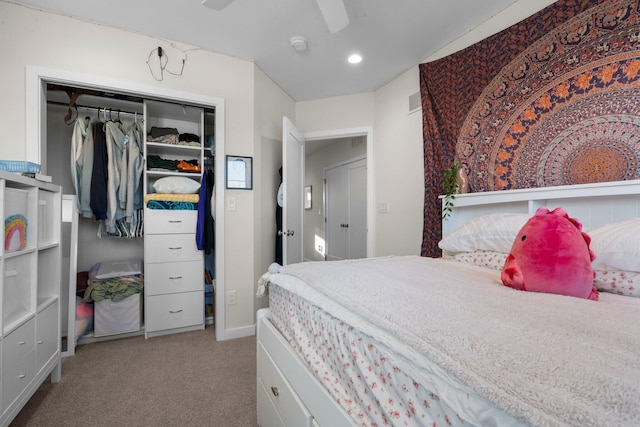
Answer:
[(173, 148), (28, 250), (170, 173)]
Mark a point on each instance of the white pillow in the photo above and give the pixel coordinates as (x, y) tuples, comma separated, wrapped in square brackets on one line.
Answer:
[(176, 185), (617, 246), (494, 232)]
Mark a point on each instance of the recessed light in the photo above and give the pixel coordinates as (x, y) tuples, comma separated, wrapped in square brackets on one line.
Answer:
[(354, 59)]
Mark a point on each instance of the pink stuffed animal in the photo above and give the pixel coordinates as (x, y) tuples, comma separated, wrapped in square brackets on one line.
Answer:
[(551, 254)]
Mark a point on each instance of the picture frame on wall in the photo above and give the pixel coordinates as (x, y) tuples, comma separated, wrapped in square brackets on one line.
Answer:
[(307, 197), (239, 173)]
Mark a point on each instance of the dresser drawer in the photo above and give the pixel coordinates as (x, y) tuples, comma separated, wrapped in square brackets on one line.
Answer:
[(47, 336), (287, 404), (172, 277), (173, 311), (158, 221), (17, 377), (18, 344), (171, 248)]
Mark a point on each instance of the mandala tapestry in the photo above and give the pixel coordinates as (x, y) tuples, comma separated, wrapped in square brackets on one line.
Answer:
[(552, 100)]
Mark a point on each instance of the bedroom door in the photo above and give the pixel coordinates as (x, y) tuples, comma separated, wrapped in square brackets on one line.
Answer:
[(346, 207), (292, 185)]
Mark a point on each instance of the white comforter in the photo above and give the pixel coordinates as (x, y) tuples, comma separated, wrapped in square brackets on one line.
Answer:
[(545, 359)]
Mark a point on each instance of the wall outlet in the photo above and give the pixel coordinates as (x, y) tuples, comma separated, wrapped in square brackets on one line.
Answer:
[(232, 298)]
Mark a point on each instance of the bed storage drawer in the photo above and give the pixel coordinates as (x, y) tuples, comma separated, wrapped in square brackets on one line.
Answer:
[(171, 248), (174, 311), (157, 221), (169, 278), (267, 412), (291, 410)]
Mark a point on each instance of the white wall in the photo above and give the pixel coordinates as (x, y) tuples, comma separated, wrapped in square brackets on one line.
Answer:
[(340, 112), (271, 104)]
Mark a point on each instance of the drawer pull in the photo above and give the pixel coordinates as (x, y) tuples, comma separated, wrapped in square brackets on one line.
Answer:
[(175, 248), (175, 311), (175, 277), (174, 221), (10, 273), (275, 391), (21, 376), (21, 343), (40, 342)]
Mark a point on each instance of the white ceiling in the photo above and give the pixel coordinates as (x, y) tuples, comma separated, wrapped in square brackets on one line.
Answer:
[(391, 35)]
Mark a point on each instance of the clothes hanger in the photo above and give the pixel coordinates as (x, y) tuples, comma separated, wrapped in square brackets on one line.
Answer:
[(73, 97), (69, 119)]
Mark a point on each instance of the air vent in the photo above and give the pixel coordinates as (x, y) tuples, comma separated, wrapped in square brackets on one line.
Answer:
[(415, 103)]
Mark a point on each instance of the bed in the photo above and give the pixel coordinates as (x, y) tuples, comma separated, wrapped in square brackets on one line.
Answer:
[(419, 341)]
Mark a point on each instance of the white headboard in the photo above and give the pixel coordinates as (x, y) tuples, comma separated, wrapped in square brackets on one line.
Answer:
[(593, 204)]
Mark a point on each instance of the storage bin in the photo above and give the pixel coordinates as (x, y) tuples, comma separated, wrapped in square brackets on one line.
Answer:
[(118, 317), (18, 279), (16, 223), (19, 166)]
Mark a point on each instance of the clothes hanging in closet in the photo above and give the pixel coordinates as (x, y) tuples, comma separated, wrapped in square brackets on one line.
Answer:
[(279, 203), (205, 227), (107, 166)]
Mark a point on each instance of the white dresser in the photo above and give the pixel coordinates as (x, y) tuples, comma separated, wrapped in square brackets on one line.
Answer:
[(173, 274)]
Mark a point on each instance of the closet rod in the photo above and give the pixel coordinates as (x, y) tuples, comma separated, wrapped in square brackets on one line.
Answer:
[(112, 110)]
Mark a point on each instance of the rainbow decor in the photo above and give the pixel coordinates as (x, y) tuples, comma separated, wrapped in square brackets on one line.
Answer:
[(15, 233)]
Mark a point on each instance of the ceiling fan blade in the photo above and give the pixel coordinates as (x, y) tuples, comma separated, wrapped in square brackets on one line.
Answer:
[(334, 13), (217, 4)]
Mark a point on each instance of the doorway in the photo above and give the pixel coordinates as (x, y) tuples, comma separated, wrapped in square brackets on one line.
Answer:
[(323, 151), (346, 214)]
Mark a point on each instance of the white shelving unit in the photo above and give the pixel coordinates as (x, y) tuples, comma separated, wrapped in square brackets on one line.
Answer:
[(30, 266), (173, 266)]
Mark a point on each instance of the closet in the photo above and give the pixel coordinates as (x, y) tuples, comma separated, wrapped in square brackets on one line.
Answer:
[(177, 276)]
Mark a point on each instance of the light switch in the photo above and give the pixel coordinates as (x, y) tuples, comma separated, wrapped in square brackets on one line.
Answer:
[(231, 203), (383, 207)]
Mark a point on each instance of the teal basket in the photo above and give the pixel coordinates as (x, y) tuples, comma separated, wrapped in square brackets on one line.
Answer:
[(19, 166)]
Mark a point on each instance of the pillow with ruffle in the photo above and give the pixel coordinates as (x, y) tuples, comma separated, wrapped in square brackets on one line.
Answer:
[(493, 232), (617, 246)]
